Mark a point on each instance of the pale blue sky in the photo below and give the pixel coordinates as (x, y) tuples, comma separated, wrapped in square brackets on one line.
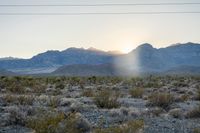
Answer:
[(25, 36)]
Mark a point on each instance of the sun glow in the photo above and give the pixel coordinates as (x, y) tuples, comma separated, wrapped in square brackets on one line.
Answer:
[(127, 49)]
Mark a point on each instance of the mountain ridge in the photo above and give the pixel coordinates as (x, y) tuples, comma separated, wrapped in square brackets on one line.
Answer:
[(149, 59)]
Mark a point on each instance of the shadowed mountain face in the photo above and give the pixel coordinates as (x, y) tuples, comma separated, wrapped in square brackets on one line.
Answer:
[(143, 59), (86, 70), (55, 59), (166, 58)]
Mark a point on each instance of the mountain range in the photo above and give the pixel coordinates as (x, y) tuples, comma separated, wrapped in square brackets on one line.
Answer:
[(178, 58)]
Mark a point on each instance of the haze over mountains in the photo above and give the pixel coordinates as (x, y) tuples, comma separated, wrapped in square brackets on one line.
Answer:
[(179, 58)]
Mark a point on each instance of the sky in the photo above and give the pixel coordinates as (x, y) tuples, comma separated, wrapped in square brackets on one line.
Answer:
[(27, 35)]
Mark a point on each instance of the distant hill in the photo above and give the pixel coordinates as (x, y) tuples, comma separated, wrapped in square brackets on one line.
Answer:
[(55, 59), (144, 59), (4, 72)]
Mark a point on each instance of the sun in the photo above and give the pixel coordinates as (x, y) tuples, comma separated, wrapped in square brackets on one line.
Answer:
[(126, 49)]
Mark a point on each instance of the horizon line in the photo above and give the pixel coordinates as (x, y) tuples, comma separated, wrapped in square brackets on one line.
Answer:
[(96, 49)]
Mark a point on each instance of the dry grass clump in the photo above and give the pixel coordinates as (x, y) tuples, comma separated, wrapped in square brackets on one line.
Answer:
[(45, 124), (134, 126), (182, 98), (19, 100), (196, 130), (88, 93), (54, 102), (59, 123), (163, 100), (137, 92), (107, 99), (195, 113)]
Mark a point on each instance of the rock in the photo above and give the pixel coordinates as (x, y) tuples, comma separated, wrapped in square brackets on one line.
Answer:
[(176, 113)]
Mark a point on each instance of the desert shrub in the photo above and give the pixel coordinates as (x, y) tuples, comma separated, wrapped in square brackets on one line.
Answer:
[(59, 85), (39, 87), (59, 123), (182, 98), (9, 98), (195, 113), (180, 84), (45, 124), (107, 99), (152, 85), (137, 92), (54, 102), (92, 79), (25, 100), (19, 100), (15, 86), (88, 93), (75, 123), (196, 130), (130, 127), (198, 94), (163, 100)]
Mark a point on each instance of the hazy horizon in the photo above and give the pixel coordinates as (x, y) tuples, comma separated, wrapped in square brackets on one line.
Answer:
[(27, 35)]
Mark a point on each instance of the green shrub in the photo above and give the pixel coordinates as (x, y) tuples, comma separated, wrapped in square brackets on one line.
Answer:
[(163, 100), (107, 99), (137, 92)]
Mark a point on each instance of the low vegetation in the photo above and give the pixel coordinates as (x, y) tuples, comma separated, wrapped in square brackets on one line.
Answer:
[(107, 99), (130, 127), (163, 100), (137, 92), (195, 113), (46, 123), (99, 104), (88, 93)]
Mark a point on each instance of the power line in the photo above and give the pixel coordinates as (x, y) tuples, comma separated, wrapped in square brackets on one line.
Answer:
[(119, 4), (102, 13)]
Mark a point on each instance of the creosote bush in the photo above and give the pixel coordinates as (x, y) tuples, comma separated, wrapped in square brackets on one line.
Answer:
[(134, 126), (163, 100), (107, 99), (137, 92)]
